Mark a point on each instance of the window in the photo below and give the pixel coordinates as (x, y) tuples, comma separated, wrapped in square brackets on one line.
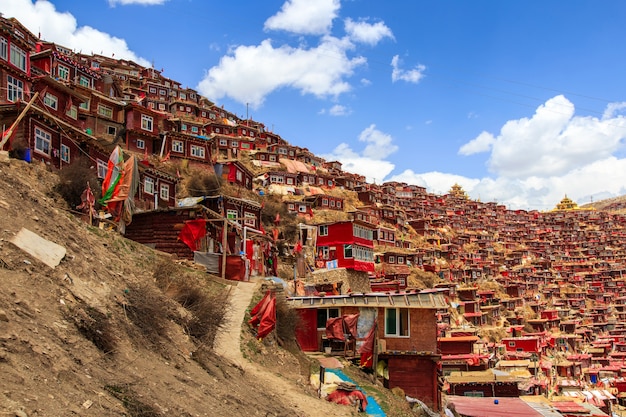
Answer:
[(302, 208), (289, 181), (152, 90), (347, 251), (400, 260), (188, 109), (183, 127), (95, 64), (15, 89), (392, 259), (177, 146), (161, 106), (324, 252), (63, 72), (234, 144), (323, 230), (164, 193), (72, 111), (105, 111), (397, 322), (84, 81), (51, 101), (338, 204), (323, 314), (332, 203), (291, 207), (42, 141), (18, 57), (203, 114), (194, 129), (102, 168), (65, 153), (231, 214), (146, 122), (141, 144), (3, 48), (223, 142), (197, 151), (111, 130), (148, 185), (250, 219), (324, 201), (183, 96), (84, 105), (239, 176)]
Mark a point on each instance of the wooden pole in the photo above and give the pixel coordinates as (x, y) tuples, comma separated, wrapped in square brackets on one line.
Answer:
[(5, 137), (224, 244)]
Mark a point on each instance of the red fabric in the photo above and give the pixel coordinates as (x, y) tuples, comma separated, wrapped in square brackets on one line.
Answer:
[(232, 173), (192, 231), (368, 344), (334, 329), (348, 398), (264, 315)]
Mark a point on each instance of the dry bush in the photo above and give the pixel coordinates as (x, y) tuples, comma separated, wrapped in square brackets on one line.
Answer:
[(207, 311), (421, 279), (131, 402), (201, 183), (73, 181), (288, 226), (94, 325), (287, 320), (149, 310)]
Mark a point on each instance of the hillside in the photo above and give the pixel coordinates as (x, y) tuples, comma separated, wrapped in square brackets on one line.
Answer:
[(98, 334)]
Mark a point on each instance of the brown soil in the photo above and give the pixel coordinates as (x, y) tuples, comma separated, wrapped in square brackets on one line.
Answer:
[(49, 368)]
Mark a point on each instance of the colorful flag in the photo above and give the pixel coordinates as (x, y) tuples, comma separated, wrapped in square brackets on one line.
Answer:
[(110, 185)]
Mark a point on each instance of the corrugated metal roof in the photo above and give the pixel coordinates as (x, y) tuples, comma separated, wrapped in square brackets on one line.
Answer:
[(405, 300)]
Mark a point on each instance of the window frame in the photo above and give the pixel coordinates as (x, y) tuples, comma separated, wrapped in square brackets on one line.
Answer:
[(18, 57), (65, 153), (45, 138), (51, 101), (147, 122), (148, 185), (399, 330), (322, 230), (164, 192)]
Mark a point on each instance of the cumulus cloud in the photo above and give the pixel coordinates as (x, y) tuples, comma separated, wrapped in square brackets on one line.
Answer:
[(367, 33), (305, 17), (113, 3), (339, 110), (61, 28), (540, 159), (411, 76), (370, 162), (249, 73), (550, 143)]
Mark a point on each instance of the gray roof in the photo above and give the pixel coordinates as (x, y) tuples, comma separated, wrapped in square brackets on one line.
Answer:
[(405, 300)]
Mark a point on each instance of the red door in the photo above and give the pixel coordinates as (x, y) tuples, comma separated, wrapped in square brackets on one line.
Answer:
[(306, 332)]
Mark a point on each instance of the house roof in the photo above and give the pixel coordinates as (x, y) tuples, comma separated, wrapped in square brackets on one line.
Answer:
[(492, 407), (404, 299)]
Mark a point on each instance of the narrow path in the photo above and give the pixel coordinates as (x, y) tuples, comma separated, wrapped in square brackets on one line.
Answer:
[(228, 345)]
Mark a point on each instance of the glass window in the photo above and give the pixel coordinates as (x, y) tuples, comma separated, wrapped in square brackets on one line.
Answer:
[(111, 130), (72, 111), (148, 185), (105, 111), (323, 314), (347, 251), (65, 153), (323, 230), (18, 57), (146, 122), (164, 194), (84, 81), (197, 151), (51, 101), (397, 322), (3, 48), (177, 146), (15, 89), (63, 72), (102, 168), (141, 144), (250, 219), (42, 141)]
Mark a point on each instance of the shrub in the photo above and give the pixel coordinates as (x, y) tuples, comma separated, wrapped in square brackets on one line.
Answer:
[(73, 180), (287, 320), (201, 183), (130, 401), (149, 310), (94, 325)]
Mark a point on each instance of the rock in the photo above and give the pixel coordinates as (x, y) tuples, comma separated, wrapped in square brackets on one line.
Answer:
[(21, 413), (3, 316)]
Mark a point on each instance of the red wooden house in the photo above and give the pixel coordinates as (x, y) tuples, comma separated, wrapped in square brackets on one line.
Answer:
[(325, 202), (142, 128), (406, 334), (235, 173), (351, 243), (181, 146)]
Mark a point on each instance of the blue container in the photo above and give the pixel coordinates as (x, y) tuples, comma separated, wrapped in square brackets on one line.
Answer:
[(27, 155)]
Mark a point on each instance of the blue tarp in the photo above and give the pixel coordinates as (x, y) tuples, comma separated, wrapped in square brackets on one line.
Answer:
[(373, 408)]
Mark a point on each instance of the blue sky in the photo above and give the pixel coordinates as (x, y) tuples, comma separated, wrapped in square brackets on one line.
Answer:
[(520, 102)]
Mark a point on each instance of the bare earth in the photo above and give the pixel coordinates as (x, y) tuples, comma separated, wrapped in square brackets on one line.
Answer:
[(48, 368)]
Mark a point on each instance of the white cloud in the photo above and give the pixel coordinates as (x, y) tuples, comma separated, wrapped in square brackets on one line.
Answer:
[(113, 3), (249, 73), (61, 28), (411, 76), (367, 33), (339, 110), (539, 160), (306, 17), (370, 161), (550, 143)]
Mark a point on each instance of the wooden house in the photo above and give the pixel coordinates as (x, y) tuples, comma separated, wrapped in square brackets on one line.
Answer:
[(234, 172), (406, 329), (351, 243), (325, 202)]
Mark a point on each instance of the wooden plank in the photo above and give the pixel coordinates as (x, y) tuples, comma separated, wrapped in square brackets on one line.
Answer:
[(45, 251)]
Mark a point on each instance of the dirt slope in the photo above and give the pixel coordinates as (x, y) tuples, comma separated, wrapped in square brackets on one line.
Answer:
[(49, 368)]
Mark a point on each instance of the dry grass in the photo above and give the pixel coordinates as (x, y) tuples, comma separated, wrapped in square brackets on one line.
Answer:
[(94, 326), (131, 401)]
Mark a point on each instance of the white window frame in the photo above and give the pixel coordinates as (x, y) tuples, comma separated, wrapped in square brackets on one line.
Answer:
[(105, 111), (148, 185), (141, 144), (177, 146), (223, 142), (85, 105), (400, 331), (102, 168), (392, 259), (43, 141), (232, 214), (348, 251), (336, 312), (147, 122), (197, 151), (111, 130), (15, 89), (164, 192), (4, 48), (65, 153), (18, 57), (250, 219), (194, 129), (63, 72), (323, 230), (84, 81), (51, 101), (72, 112)]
